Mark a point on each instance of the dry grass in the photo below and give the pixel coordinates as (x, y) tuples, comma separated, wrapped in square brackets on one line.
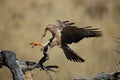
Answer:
[(22, 21)]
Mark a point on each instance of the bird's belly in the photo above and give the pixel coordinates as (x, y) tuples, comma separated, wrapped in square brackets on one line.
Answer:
[(58, 40), (59, 45)]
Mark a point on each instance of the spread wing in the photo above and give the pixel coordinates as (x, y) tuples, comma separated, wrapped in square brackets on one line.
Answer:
[(71, 33), (71, 55), (74, 34), (63, 24)]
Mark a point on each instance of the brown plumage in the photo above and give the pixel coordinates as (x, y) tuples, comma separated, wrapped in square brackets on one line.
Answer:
[(66, 33), (74, 34)]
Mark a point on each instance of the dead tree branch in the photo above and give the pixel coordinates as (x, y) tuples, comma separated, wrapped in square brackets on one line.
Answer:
[(21, 70), (8, 59)]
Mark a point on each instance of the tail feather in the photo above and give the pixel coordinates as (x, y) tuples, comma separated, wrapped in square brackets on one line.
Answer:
[(71, 55)]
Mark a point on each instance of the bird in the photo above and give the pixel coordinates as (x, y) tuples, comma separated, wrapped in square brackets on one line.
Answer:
[(65, 32)]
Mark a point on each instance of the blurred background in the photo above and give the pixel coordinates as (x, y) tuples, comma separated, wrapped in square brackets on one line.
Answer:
[(23, 21)]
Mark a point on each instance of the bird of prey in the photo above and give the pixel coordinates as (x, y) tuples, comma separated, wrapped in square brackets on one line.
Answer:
[(65, 33)]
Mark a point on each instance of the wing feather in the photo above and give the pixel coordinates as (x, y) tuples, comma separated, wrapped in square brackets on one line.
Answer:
[(71, 33), (74, 34), (71, 55), (63, 24)]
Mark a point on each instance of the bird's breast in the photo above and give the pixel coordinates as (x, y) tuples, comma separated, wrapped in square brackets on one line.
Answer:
[(58, 39)]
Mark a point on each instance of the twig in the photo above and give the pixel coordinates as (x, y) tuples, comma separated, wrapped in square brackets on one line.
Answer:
[(49, 68), (45, 69)]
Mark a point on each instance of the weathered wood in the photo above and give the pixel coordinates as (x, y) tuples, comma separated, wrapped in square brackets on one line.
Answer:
[(108, 76), (21, 70), (27, 68), (28, 75), (9, 60)]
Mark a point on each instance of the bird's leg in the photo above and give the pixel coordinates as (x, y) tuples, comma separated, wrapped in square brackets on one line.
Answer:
[(54, 43)]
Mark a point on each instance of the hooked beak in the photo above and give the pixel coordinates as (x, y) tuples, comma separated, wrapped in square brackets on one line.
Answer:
[(45, 32)]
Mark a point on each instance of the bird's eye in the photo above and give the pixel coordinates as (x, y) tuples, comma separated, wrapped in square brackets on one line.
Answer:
[(46, 28)]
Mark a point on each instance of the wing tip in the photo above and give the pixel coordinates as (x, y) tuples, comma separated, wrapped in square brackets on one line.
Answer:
[(93, 32), (71, 55), (78, 61)]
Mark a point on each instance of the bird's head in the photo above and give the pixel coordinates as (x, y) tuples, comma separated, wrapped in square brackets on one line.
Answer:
[(50, 27)]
